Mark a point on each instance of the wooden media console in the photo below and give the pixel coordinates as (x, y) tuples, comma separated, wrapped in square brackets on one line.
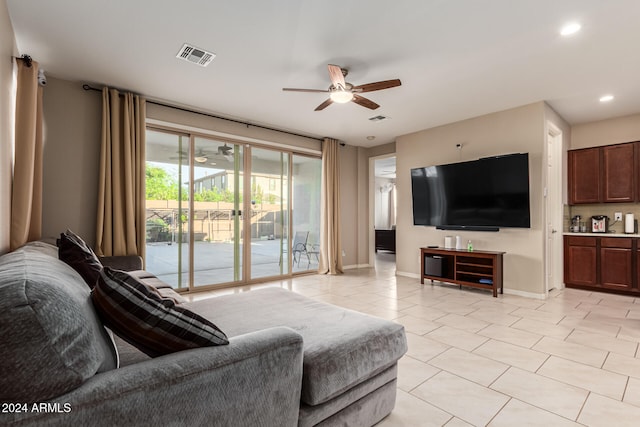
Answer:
[(478, 269)]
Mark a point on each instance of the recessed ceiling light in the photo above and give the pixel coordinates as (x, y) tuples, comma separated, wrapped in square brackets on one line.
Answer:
[(570, 29), (371, 137), (606, 98)]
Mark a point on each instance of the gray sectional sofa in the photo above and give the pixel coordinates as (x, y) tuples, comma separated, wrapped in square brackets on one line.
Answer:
[(290, 360)]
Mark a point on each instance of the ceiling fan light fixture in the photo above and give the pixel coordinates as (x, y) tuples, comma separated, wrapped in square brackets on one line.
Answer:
[(200, 159), (570, 29), (341, 96)]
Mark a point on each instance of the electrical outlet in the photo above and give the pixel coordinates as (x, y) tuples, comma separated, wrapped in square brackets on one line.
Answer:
[(617, 216)]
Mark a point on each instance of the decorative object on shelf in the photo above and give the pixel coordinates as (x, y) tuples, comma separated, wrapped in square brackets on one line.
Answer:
[(448, 242), (458, 242), (469, 246)]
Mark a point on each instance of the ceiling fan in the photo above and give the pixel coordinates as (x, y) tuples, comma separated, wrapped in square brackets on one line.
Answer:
[(342, 92), (225, 150), (202, 156)]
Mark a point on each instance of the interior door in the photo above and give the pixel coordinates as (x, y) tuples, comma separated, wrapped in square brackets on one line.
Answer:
[(554, 244)]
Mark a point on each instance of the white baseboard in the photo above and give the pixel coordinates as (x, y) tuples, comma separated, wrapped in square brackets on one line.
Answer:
[(524, 294), (406, 274), (506, 291), (356, 266)]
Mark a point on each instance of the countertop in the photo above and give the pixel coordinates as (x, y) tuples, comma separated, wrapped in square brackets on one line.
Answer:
[(615, 234)]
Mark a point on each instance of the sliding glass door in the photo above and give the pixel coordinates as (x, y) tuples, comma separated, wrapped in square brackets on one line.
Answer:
[(269, 212), (217, 184), (306, 213), (220, 212), (167, 207)]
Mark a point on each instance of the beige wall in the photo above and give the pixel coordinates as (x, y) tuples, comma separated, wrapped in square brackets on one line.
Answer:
[(7, 50), (381, 150), (605, 132), (518, 130), (72, 128), (349, 195)]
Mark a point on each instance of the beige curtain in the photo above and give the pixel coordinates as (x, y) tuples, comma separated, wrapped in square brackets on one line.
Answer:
[(330, 236), (121, 194), (26, 195)]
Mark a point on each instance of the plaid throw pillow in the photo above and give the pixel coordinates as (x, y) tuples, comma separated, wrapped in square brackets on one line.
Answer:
[(75, 252), (141, 317)]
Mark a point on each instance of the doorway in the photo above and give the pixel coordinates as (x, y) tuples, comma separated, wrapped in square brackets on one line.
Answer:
[(382, 208), (553, 210)]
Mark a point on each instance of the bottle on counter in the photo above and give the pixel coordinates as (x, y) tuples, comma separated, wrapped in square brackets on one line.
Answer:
[(469, 246)]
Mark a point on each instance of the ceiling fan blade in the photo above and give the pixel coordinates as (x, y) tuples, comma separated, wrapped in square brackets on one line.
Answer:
[(361, 100), (370, 87), (324, 105), (291, 89), (337, 78)]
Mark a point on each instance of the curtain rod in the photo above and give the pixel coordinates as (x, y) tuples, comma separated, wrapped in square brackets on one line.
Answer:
[(175, 107)]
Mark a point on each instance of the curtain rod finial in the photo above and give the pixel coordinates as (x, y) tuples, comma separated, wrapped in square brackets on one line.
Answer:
[(28, 61)]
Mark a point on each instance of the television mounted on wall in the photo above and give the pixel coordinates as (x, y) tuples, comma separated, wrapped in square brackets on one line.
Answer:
[(479, 195)]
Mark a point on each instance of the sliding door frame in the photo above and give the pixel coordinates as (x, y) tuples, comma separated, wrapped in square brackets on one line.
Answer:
[(245, 254)]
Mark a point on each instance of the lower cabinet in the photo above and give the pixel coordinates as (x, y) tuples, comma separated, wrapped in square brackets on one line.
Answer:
[(580, 257), (602, 263), (616, 263)]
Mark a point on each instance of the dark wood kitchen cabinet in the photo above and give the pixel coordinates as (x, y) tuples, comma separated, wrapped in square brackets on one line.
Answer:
[(584, 176), (619, 173), (580, 256), (602, 263), (607, 174), (616, 263)]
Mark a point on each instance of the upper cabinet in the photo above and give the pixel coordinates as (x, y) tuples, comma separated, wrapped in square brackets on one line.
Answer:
[(619, 173), (604, 174), (584, 176)]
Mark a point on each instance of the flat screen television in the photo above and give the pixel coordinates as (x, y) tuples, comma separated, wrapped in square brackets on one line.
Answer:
[(484, 194)]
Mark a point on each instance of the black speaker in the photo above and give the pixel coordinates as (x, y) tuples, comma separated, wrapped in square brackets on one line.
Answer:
[(434, 265)]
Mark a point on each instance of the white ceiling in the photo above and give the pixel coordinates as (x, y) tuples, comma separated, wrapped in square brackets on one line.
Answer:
[(456, 59)]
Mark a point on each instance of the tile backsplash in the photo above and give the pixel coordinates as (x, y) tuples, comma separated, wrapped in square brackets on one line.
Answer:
[(607, 209)]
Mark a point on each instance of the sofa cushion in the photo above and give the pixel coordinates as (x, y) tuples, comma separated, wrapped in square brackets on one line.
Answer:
[(153, 324), (75, 252), (162, 288), (342, 348), (51, 339)]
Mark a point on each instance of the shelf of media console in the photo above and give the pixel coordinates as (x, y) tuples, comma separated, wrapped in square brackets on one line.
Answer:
[(477, 269)]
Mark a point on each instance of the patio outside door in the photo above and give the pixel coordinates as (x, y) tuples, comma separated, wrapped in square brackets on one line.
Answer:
[(222, 213), (217, 212)]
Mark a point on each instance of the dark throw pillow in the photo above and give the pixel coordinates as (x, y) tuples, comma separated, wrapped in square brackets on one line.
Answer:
[(141, 317), (75, 252)]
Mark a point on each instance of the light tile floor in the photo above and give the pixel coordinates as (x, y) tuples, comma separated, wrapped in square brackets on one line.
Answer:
[(476, 360)]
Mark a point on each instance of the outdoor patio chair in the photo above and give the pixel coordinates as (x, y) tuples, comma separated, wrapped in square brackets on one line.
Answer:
[(299, 247)]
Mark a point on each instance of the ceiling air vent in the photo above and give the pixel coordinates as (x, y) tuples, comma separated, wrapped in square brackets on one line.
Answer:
[(378, 118), (195, 55)]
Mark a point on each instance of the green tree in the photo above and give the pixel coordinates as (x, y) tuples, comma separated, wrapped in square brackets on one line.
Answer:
[(160, 185)]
